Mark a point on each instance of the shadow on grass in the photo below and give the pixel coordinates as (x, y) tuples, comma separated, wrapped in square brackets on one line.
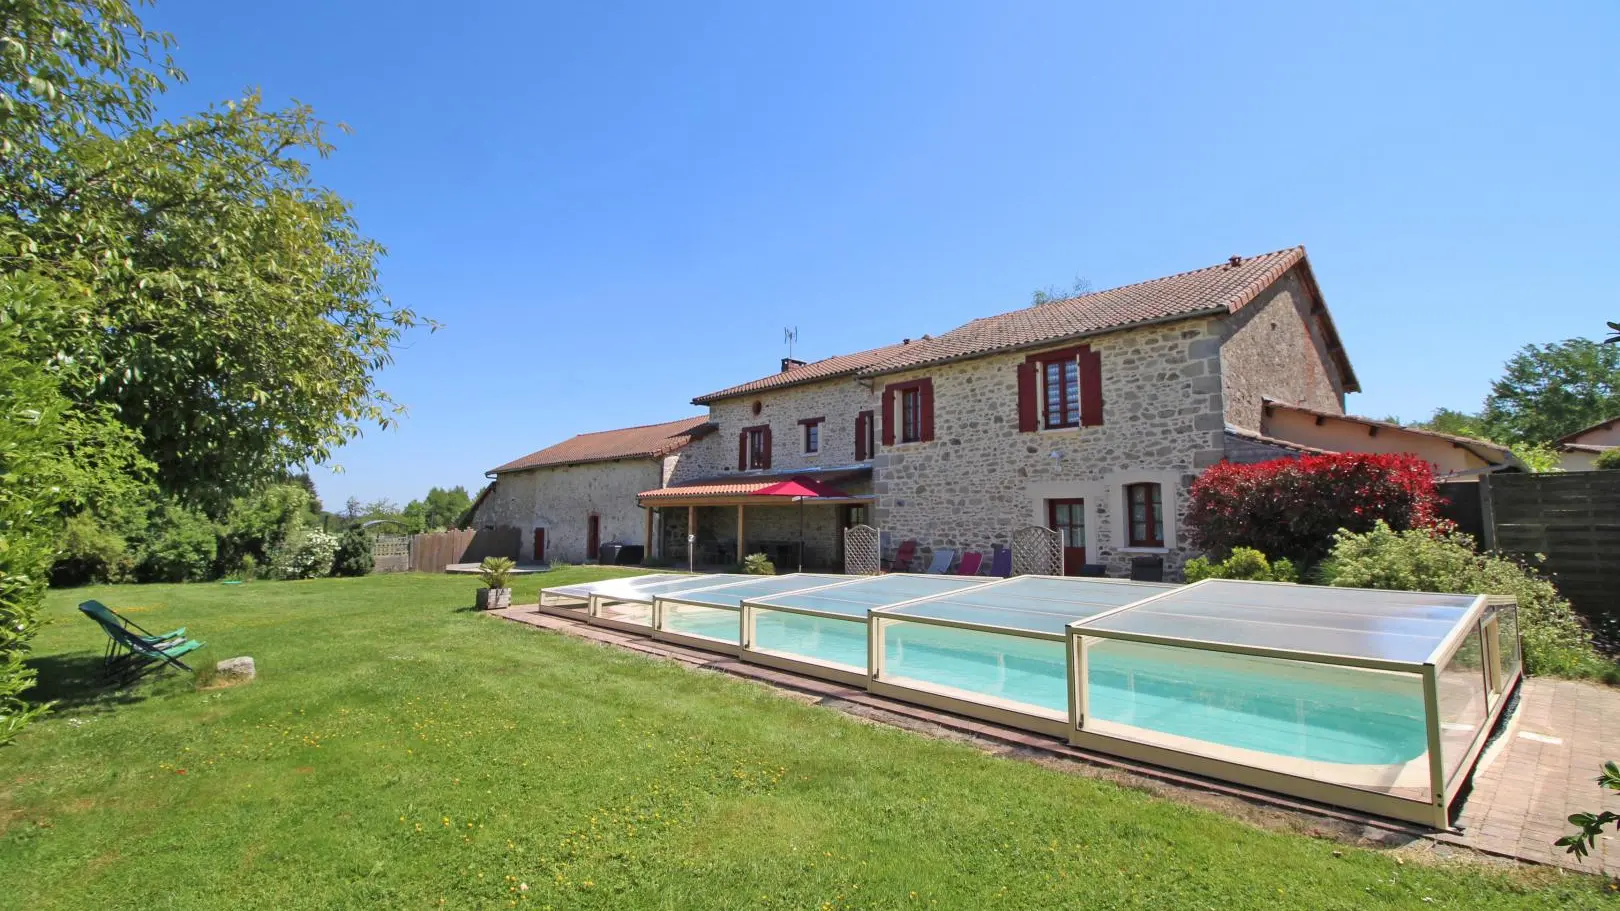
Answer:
[(78, 681)]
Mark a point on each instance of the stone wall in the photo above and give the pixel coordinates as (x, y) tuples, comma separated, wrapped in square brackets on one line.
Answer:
[(1272, 348), (837, 400), (561, 500), (979, 479)]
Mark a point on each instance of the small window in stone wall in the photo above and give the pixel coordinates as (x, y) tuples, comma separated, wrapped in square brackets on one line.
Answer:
[(1146, 504), (812, 438)]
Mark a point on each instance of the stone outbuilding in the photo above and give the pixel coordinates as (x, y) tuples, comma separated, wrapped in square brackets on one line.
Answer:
[(567, 500)]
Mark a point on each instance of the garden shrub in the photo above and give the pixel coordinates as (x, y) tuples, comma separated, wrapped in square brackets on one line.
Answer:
[(758, 565), (180, 546), (91, 551), (1292, 508), (306, 553), (354, 556), (1608, 460), (1244, 563), (1554, 640)]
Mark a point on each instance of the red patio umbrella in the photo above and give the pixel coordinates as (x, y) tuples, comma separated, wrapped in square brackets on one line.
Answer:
[(801, 489)]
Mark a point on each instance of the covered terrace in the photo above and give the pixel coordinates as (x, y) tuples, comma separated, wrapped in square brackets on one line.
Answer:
[(730, 516)]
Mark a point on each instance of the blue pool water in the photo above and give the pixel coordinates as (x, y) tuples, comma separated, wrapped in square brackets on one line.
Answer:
[(1286, 708), (817, 638)]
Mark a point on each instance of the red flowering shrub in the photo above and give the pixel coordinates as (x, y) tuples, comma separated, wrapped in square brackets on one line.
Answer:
[(1292, 507)]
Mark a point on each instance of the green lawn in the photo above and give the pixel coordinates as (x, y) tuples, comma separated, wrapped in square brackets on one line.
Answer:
[(401, 751)]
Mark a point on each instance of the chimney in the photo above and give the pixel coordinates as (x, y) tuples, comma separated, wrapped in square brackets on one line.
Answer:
[(789, 363), (1235, 261)]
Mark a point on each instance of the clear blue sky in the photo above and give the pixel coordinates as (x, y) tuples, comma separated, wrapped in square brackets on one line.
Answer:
[(615, 207)]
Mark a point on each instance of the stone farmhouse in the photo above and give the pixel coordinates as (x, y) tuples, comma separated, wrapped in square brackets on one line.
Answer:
[(1092, 415)]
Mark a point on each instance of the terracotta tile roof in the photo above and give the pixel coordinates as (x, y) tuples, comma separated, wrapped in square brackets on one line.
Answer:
[(646, 442), (1216, 289), (743, 485), (1239, 432), (824, 369), (1600, 425), (1485, 449)]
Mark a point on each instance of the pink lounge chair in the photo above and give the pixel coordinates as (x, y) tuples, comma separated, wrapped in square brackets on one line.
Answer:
[(971, 561), (903, 557)]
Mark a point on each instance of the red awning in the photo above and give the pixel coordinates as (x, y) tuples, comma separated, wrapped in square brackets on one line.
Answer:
[(808, 488)]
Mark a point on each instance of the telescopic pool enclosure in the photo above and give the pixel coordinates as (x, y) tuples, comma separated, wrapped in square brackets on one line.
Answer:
[(1378, 701)]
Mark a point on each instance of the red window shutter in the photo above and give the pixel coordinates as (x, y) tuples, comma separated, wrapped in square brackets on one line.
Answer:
[(1027, 421), (1091, 397), (767, 432), (889, 416), (860, 437), (742, 451), (925, 401)]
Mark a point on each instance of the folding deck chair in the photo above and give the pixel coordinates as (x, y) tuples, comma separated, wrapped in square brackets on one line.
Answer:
[(131, 649), (943, 558), (903, 557), (971, 561), (1001, 563)]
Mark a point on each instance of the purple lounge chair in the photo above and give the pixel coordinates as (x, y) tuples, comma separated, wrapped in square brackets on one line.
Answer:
[(1001, 563)]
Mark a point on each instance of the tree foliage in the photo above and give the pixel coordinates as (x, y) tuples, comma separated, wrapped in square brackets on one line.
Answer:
[(180, 303), (1550, 391), (53, 457)]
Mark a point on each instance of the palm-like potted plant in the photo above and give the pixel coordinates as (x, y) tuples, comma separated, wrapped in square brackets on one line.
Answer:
[(496, 572)]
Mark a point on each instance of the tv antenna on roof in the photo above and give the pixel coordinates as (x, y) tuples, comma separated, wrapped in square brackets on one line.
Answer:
[(789, 336)]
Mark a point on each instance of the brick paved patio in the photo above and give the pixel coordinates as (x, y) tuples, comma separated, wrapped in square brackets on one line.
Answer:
[(1538, 771), (1542, 769)]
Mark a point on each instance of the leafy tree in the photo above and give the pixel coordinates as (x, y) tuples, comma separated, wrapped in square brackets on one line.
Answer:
[(54, 457), (1608, 460), (1051, 294), (1456, 423), (443, 508), (1550, 391), (178, 300), (234, 317)]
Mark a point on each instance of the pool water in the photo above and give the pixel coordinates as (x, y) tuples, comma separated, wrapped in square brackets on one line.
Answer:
[(715, 623), (1287, 708), (817, 639)]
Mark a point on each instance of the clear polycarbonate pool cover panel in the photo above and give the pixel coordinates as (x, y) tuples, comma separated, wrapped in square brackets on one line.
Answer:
[(581, 591), (1038, 604), (643, 591), (1347, 726), (1404, 627), (732, 594), (855, 599)]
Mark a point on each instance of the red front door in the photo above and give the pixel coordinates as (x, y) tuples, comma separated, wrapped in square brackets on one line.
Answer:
[(593, 537), (539, 545), (1069, 517)]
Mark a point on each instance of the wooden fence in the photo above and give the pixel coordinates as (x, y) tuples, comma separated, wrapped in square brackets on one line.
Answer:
[(431, 553), (1573, 518)]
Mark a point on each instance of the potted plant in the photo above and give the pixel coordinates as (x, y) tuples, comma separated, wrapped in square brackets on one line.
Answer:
[(496, 573)]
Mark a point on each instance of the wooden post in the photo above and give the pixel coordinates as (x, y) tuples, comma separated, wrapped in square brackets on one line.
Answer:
[(647, 550), (691, 538), (740, 550)]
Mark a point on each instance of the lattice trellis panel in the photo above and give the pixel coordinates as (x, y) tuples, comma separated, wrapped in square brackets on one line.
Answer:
[(1037, 551), (862, 551), (391, 554)]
